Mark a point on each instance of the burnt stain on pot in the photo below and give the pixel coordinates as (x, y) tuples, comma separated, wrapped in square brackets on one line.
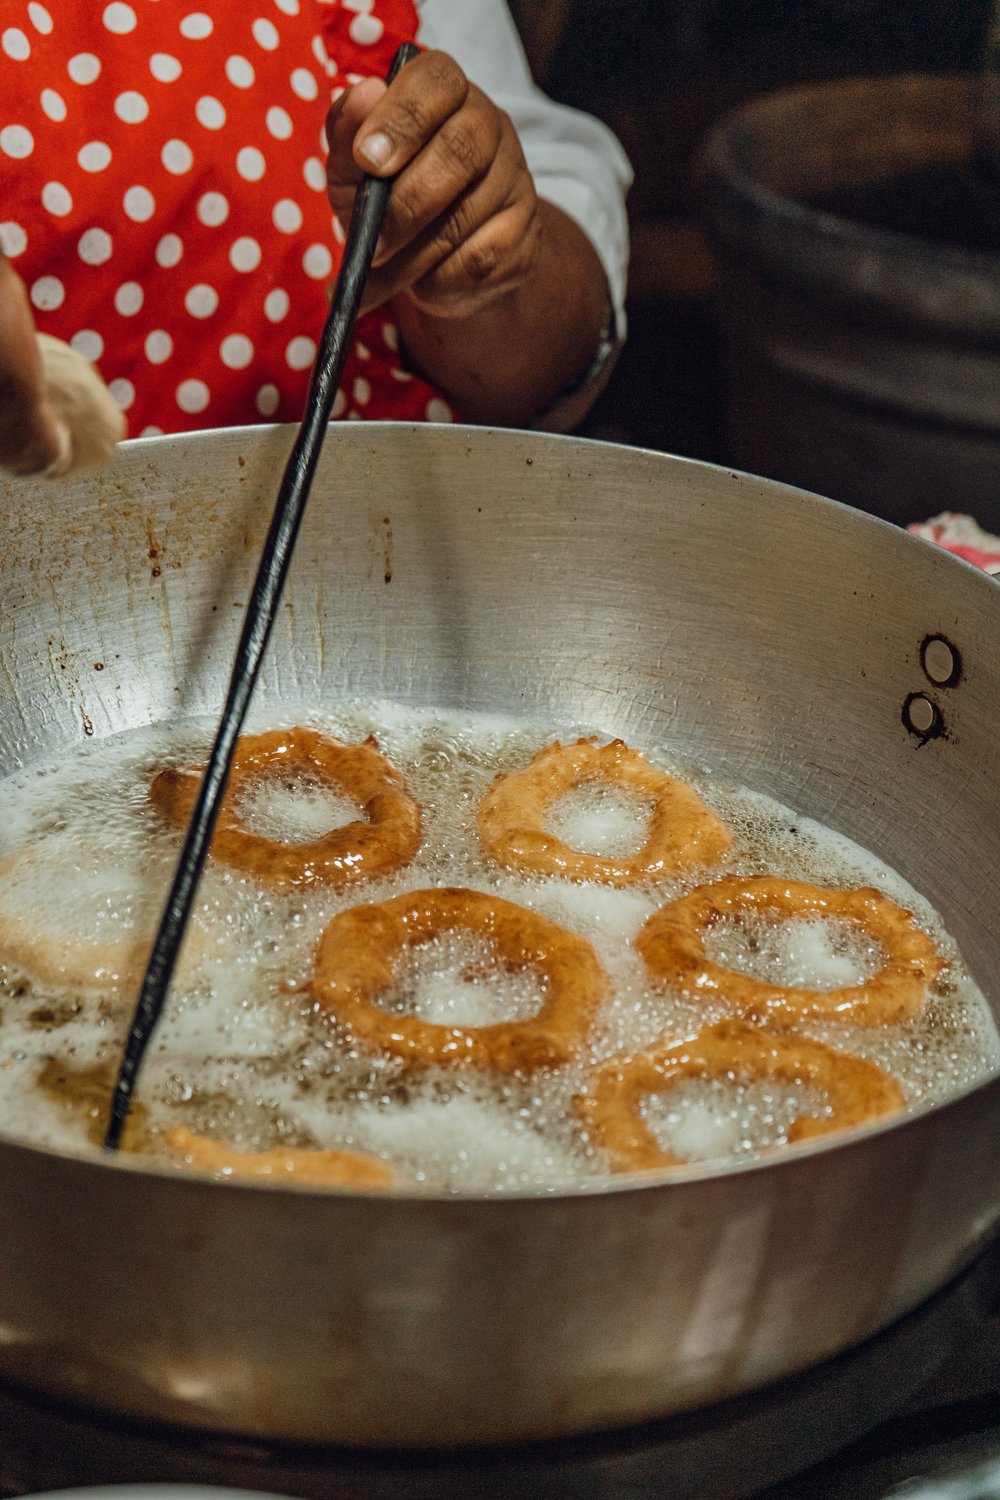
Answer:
[(923, 719), (155, 551), (941, 661), (387, 549), (382, 526)]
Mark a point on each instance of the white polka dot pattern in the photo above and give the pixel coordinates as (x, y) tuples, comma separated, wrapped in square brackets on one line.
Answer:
[(84, 68), (210, 112), (279, 122), (54, 105), (267, 400), (131, 107), (318, 262), (89, 343), (57, 199), (239, 71), (167, 163), (251, 164), (16, 141), (201, 300), (177, 156), (265, 34), (196, 27), (300, 353), (139, 204), (129, 299), (120, 18), (236, 351), (94, 156), (314, 174), (212, 209), (122, 391), (169, 251), (47, 293), (193, 395), (287, 216), (165, 68), (158, 346), (276, 305), (94, 247), (13, 239), (15, 44), (304, 83), (366, 30), (244, 254)]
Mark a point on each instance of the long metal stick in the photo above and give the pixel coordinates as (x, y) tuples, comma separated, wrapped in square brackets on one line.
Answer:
[(366, 221)]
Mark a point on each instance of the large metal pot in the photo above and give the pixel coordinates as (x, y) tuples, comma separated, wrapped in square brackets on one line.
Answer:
[(861, 362), (771, 634)]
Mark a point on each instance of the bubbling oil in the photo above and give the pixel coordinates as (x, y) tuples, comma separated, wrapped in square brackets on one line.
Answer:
[(243, 1054)]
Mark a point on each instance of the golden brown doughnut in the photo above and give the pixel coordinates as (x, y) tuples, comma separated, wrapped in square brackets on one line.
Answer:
[(683, 833), (858, 1090), (359, 950), (303, 1167), (357, 851), (672, 943)]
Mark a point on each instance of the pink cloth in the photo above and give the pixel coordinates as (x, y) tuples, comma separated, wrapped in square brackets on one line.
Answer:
[(963, 536)]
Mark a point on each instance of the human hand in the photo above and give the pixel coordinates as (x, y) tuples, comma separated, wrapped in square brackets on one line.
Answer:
[(462, 229), (31, 436), (56, 414)]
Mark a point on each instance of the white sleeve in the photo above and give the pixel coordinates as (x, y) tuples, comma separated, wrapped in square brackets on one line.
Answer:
[(575, 160)]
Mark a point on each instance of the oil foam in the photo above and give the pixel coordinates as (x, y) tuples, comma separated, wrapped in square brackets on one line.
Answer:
[(244, 1054)]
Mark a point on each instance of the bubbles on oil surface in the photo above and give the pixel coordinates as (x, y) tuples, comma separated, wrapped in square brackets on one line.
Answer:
[(294, 809), (813, 953), (600, 820), (703, 1120), (245, 1053), (455, 980)]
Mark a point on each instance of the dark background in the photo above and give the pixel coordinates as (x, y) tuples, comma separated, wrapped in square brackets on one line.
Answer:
[(660, 72)]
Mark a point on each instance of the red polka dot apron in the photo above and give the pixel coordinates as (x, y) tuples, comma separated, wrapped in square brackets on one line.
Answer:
[(163, 196)]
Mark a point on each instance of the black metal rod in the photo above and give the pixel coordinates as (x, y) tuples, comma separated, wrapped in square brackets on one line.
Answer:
[(363, 233)]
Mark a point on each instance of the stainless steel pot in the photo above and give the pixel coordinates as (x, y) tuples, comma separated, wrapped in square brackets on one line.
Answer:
[(777, 637)]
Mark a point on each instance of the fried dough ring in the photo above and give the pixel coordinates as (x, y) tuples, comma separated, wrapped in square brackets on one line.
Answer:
[(672, 943), (354, 852), (683, 833), (358, 952), (858, 1090), (305, 1167), (75, 962)]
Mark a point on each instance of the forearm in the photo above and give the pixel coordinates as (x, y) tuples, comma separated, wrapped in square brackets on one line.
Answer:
[(509, 362)]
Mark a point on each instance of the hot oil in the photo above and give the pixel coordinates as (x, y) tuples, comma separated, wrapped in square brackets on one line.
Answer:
[(245, 1054), (455, 980), (704, 1120), (805, 953)]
